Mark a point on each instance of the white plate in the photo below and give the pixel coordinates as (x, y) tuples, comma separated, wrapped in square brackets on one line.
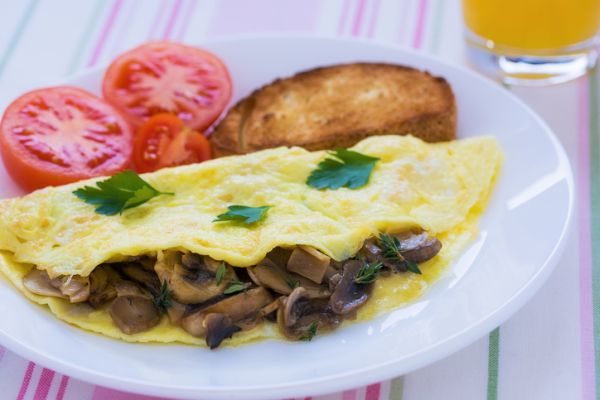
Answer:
[(522, 235)]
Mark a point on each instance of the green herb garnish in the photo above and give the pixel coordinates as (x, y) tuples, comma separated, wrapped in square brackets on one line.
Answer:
[(344, 168), (244, 214), (412, 266), (235, 287), (162, 300), (220, 274), (368, 273), (391, 251), (292, 283), (118, 193), (311, 333)]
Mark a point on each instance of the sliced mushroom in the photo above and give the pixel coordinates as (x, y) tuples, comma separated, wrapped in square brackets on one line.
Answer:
[(189, 277), (269, 309), (334, 281), (194, 324), (371, 251), (38, 282), (279, 255), (237, 307), (176, 312), (218, 328), (75, 287), (309, 263), (142, 275), (277, 278), (101, 288), (349, 295), (298, 314), (418, 247), (133, 310)]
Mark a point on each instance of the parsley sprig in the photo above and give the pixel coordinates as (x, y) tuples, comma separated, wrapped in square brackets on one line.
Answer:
[(243, 214), (343, 168), (368, 273), (391, 251), (162, 300), (120, 192)]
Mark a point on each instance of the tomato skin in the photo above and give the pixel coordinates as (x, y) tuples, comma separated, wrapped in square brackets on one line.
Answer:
[(167, 77), (164, 141), (37, 129)]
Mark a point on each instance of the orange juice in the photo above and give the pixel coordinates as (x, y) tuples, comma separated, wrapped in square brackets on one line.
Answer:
[(533, 24)]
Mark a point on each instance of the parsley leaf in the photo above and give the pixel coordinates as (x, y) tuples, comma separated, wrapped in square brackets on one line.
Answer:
[(162, 300), (368, 273), (235, 287), (311, 333), (244, 214), (118, 193), (220, 274), (344, 168)]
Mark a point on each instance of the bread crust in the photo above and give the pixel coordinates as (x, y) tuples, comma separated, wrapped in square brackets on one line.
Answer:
[(337, 106)]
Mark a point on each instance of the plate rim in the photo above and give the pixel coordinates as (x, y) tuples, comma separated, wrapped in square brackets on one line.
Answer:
[(357, 377)]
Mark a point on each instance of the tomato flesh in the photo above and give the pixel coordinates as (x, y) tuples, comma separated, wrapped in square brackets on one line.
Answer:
[(163, 77), (63, 134), (165, 141)]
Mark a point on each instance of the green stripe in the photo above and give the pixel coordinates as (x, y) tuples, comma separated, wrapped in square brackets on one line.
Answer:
[(16, 37), (595, 213), (493, 352), (93, 21), (438, 22), (397, 388)]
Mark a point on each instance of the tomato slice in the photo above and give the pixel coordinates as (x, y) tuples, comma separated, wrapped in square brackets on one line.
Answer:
[(165, 141), (62, 134), (160, 77)]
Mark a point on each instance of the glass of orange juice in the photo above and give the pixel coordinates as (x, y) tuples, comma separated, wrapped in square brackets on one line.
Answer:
[(533, 42)]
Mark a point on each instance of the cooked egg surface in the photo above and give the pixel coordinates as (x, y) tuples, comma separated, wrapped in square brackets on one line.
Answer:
[(441, 187)]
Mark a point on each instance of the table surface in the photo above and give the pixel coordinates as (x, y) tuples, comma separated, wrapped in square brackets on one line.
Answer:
[(545, 351)]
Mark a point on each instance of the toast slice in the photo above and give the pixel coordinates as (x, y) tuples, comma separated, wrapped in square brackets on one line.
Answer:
[(337, 106)]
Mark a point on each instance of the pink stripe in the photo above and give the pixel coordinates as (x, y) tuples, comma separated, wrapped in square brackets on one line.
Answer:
[(2, 352), (344, 16), (358, 18), (102, 393), (588, 368), (172, 19), (62, 388), (105, 30), (159, 13), (125, 25), (374, 15), (43, 386), (373, 392), (26, 380), (186, 20), (420, 29), (349, 395), (403, 25)]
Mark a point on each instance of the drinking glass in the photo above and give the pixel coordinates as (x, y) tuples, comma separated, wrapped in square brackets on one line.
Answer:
[(532, 42)]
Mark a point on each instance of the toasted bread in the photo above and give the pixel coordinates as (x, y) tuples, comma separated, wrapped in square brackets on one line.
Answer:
[(338, 106)]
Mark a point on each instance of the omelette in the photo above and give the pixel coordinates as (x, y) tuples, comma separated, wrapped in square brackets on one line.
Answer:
[(170, 270)]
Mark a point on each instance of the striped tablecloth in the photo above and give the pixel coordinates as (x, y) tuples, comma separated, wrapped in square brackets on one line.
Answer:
[(548, 350)]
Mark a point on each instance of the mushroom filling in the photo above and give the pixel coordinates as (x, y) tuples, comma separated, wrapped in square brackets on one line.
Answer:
[(300, 289)]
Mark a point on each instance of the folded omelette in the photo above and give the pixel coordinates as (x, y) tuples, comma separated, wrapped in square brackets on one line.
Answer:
[(166, 272)]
